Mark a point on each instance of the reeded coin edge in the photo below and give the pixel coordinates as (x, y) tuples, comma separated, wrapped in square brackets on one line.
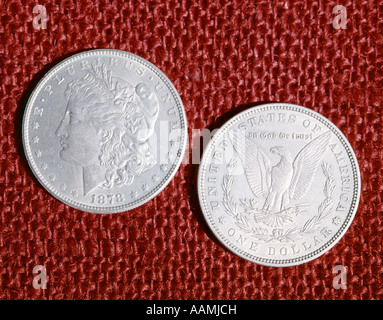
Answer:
[(94, 209), (280, 262)]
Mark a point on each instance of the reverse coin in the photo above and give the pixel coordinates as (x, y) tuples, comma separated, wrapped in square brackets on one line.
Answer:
[(104, 131), (279, 184)]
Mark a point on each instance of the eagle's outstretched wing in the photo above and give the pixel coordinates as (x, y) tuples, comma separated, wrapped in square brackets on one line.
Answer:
[(305, 165), (255, 162)]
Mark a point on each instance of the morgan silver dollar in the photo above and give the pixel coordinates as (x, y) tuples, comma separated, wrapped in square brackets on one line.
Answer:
[(104, 131), (279, 184)]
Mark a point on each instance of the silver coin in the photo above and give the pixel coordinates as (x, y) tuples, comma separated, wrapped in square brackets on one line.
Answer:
[(279, 184), (104, 131)]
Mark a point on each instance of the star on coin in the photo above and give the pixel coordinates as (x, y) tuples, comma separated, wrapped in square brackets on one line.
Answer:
[(336, 220), (156, 178), (62, 186), (38, 153), (38, 111), (74, 193), (164, 167), (134, 194), (52, 177), (36, 139), (145, 187), (44, 166), (35, 125), (220, 219)]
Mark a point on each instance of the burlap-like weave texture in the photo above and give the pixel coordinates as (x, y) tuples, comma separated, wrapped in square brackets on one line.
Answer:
[(223, 57)]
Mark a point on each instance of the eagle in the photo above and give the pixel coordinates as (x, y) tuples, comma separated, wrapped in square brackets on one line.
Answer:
[(290, 179)]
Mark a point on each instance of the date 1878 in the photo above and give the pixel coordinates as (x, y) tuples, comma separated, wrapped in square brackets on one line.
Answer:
[(107, 198)]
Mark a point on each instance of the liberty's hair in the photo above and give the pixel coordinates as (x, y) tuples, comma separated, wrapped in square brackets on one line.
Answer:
[(117, 118)]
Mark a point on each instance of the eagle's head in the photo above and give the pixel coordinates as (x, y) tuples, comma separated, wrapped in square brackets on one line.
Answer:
[(279, 150)]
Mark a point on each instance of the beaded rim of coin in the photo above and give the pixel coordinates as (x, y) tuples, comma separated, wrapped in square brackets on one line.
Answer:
[(278, 262), (118, 208)]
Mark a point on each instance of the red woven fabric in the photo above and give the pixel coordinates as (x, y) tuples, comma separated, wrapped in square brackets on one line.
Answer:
[(223, 57)]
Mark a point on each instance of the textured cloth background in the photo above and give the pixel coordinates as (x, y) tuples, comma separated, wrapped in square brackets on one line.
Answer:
[(223, 57)]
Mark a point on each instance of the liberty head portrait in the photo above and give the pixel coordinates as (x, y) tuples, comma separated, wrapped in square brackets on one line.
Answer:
[(106, 127)]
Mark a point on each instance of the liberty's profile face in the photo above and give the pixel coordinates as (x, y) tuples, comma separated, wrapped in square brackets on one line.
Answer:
[(79, 140)]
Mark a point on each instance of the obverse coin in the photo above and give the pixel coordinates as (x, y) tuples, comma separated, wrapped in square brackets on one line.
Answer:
[(279, 184), (104, 131)]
